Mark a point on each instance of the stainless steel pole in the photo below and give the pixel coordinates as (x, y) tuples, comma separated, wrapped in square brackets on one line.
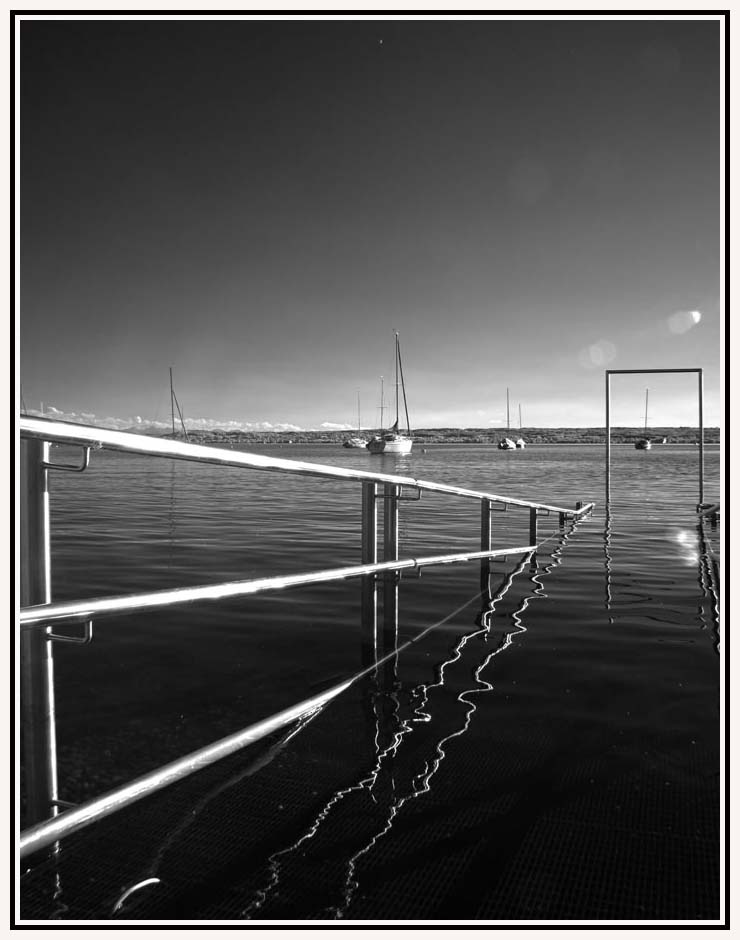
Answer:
[(533, 526), (390, 553), (701, 437), (38, 734), (369, 588), (485, 543), (608, 432)]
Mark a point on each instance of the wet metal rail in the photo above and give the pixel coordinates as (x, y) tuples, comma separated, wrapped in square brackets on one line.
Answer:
[(61, 432), (38, 612)]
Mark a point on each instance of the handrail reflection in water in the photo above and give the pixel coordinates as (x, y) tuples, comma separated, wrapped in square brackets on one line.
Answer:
[(419, 784)]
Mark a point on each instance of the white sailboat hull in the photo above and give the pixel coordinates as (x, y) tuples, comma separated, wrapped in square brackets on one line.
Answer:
[(390, 445), (392, 440)]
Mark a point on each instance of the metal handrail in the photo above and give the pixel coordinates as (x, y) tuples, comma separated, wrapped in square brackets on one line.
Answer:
[(62, 432), (94, 608), (38, 611)]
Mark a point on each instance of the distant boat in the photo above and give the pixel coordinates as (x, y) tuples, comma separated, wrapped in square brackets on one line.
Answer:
[(393, 441), (174, 403), (644, 443), (359, 441), (507, 443), (520, 442)]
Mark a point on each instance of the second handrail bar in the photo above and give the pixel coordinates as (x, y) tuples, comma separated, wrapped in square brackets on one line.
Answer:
[(94, 608)]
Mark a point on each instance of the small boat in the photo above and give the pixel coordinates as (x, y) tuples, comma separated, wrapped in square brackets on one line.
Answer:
[(520, 442), (393, 441), (359, 441), (644, 443), (507, 443), (174, 403)]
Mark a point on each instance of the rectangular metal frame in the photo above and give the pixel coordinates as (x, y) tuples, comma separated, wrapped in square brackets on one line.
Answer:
[(610, 372)]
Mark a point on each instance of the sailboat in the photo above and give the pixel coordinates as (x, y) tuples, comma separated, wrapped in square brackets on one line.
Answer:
[(644, 443), (520, 442), (394, 441), (507, 443), (174, 403), (358, 441)]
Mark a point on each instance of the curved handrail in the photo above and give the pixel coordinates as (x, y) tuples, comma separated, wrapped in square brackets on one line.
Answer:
[(66, 433)]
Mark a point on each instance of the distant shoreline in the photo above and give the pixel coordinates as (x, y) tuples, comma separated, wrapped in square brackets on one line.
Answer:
[(424, 436)]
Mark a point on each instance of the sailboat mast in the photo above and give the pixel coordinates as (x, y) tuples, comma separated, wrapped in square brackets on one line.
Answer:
[(359, 425), (172, 403), (508, 419), (396, 380), (646, 407), (382, 403), (403, 385), (520, 417)]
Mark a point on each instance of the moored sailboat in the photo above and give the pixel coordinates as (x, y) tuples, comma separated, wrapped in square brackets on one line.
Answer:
[(393, 441), (358, 441), (644, 443), (507, 443), (174, 403)]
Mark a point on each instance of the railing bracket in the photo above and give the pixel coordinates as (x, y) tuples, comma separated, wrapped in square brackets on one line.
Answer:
[(63, 466), (85, 638), (402, 499)]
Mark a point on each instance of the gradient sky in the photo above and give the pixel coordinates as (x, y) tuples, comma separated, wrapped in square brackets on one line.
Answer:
[(261, 204)]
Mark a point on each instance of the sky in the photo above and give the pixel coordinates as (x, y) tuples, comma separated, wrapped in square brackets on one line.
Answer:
[(259, 205)]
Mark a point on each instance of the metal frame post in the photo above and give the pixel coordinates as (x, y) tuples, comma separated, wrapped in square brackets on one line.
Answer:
[(485, 542), (369, 585), (392, 492), (700, 373), (485, 525), (701, 437), (608, 432), (533, 526), (38, 732)]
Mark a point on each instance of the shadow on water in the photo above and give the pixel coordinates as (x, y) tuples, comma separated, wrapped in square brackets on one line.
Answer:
[(411, 729)]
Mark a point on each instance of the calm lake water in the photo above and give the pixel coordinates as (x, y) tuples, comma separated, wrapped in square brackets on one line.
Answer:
[(549, 751)]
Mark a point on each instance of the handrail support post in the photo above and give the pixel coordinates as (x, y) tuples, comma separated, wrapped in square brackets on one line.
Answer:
[(369, 584), (37, 716), (392, 493)]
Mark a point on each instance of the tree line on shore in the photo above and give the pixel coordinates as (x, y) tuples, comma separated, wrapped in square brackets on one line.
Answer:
[(621, 435)]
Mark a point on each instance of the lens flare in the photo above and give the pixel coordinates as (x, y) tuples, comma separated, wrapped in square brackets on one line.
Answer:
[(597, 355), (683, 320)]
